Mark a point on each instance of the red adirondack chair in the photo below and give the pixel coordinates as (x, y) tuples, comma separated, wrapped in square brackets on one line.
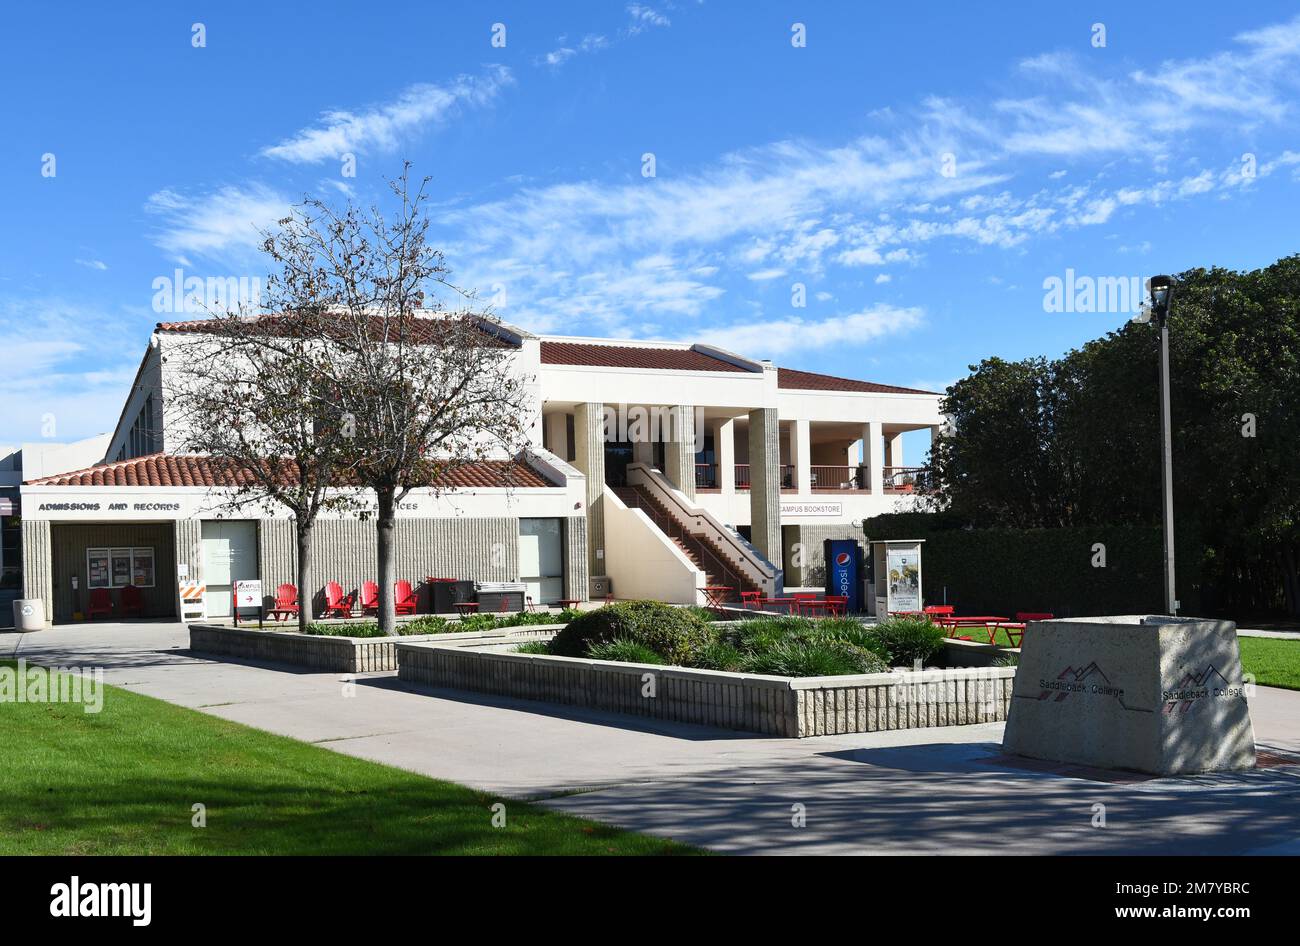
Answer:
[(336, 602), (286, 602), (369, 597), (132, 602), (404, 599), (101, 602)]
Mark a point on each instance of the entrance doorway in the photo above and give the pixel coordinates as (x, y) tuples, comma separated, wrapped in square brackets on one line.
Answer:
[(229, 555), (541, 559)]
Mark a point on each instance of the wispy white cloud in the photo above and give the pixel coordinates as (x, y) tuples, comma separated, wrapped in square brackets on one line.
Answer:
[(383, 127), (92, 264), (225, 223), (644, 17), (784, 335)]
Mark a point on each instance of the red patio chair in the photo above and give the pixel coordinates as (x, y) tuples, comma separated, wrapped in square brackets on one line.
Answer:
[(101, 602), (837, 605), (369, 597), (936, 610), (336, 602), (286, 602), (132, 602), (750, 597), (404, 599)]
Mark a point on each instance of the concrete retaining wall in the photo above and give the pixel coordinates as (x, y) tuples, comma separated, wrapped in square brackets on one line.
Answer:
[(336, 654), (775, 706)]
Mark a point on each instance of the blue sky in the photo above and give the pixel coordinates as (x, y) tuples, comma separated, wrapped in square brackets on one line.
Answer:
[(920, 168)]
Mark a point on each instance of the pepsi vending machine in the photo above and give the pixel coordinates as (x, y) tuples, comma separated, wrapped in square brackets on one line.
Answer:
[(844, 571)]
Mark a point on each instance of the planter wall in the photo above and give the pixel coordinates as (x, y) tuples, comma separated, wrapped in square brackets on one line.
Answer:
[(774, 706), (336, 654)]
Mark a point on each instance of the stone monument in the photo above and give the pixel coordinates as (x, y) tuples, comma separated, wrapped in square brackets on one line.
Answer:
[(1151, 694)]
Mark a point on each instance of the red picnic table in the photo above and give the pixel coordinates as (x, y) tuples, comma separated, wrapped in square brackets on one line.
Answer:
[(990, 623)]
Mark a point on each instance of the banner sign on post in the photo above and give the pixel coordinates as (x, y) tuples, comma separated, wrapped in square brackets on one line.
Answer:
[(248, 594), (903, 577)]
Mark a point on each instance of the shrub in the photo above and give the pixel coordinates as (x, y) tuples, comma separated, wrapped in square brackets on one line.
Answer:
[(533, 647), (624, 651), (851, 631), (805, 657), (675, 634), (762, 633), (429, 624), (363, 629), (720, 655), (907, 640)]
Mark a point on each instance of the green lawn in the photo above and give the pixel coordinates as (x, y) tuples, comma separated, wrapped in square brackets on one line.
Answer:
[(1273, 661), (124, 781)]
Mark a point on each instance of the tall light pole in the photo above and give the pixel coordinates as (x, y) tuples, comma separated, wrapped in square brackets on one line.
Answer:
[(1161, 293)]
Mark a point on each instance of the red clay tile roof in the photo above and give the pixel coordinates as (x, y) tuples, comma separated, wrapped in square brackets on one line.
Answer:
[(790, 379), (162, 469), (628, 356), (422, 327)]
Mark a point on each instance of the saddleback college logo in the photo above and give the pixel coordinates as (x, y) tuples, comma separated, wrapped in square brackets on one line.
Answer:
[(1207, 684), (1088, 681)]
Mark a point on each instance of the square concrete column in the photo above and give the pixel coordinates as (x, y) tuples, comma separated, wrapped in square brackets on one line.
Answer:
[(557, 434), (801, 455), (724, 448), (872, 437), (765, 483), (679, 449), (589, 457), (894, 450)]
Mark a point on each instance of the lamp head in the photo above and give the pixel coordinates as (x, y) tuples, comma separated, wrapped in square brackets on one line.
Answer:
[(1161, 290)]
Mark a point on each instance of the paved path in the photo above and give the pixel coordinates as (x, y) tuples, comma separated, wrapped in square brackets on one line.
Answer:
[(925, 791)]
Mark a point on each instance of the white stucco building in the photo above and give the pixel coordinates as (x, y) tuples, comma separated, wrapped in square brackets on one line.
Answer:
[(659, 467)]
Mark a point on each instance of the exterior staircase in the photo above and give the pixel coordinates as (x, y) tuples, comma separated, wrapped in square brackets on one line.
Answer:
[(719, 567)]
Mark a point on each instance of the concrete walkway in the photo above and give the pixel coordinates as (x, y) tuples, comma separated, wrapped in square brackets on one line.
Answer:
[(930, 791)]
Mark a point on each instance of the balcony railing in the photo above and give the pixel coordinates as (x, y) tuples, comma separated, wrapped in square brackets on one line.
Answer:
[(785, 470), (706, 476), (839, 478), (903, 479)]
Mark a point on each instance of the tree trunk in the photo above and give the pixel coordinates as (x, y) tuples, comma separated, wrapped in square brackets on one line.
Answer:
[(387, 525), (304, 530), (1290, 581)]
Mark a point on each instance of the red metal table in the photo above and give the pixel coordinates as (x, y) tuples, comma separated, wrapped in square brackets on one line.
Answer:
[(465, 607), (568, 602), (987, 621), (715, 595)]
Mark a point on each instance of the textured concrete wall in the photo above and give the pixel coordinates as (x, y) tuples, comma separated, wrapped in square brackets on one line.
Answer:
[(188, 536), (776, 706), (805, 565), (346, 551), (575, 558), (679, 453), (765, 483), (334, 654), (38, 562), (589, 457)]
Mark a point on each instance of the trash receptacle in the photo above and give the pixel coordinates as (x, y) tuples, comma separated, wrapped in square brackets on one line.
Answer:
[(497, 596), (29, 614), (444, 593)]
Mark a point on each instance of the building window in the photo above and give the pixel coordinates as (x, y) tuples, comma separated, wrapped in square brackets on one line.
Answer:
[(116, 568), (11, 553)]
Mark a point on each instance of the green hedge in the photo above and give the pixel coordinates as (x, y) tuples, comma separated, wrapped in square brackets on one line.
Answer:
[(1002, 571)]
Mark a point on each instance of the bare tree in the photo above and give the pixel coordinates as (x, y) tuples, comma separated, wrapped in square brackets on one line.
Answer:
[(422, 390), (255, 394)]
